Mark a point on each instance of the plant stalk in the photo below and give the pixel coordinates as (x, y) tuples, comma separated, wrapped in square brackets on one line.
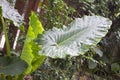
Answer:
[(20, 77), (3, 77), (6, 37), (10, 78), (15, 78)]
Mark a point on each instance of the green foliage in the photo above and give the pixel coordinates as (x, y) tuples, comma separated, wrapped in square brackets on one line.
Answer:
[(98, 51), (90, 1), (9, 66), (0, 11), (106, 8), (56, 14), (9, 12), (115, 67), (12, 66), (1, 28), (30, 49), (30, 59), (75, 39), (0, 21), (91, 64)]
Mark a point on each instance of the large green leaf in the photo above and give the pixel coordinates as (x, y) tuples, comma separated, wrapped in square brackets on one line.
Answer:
[(9, 12), (75, 39), (30, 49), (12, 66)]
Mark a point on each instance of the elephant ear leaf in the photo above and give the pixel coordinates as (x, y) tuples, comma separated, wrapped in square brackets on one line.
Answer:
[(74, 39), (9, 12)]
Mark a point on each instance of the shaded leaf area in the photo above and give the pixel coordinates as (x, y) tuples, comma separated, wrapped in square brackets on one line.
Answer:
[(12, 66), (115, 67), (65, 69), (55, 13), (91, 64), (57, 69), (30, 49), (106, 8), (9, 12), (75, 39)]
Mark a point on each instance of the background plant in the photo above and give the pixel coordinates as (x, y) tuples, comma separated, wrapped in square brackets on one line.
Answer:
[(56, 14)]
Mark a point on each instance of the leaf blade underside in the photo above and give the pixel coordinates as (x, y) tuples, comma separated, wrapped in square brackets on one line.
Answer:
[(74, 39)]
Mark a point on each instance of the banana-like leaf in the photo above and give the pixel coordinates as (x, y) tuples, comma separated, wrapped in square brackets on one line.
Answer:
[(9, 12), (31, 49), (74, 39)]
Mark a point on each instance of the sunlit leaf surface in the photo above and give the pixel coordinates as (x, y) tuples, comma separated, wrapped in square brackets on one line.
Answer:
[(74, 39)]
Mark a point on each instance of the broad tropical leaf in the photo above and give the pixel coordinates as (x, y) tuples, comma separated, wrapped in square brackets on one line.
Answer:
[(12, 66), (30, 49), (9, 12), (74, 39)]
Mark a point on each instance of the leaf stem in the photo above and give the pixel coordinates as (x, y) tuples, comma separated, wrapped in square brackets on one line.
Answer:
[(9, 78), (6, 37), (3, 77), (20, 77), (15, 77)]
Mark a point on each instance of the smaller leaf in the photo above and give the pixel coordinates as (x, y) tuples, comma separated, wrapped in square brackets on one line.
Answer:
[(91, 64), (117, 14), (115, 67), (98, 51), (90, 1), (12, 66)]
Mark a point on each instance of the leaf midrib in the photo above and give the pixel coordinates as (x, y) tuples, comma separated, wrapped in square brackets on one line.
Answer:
[(79, 31)]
